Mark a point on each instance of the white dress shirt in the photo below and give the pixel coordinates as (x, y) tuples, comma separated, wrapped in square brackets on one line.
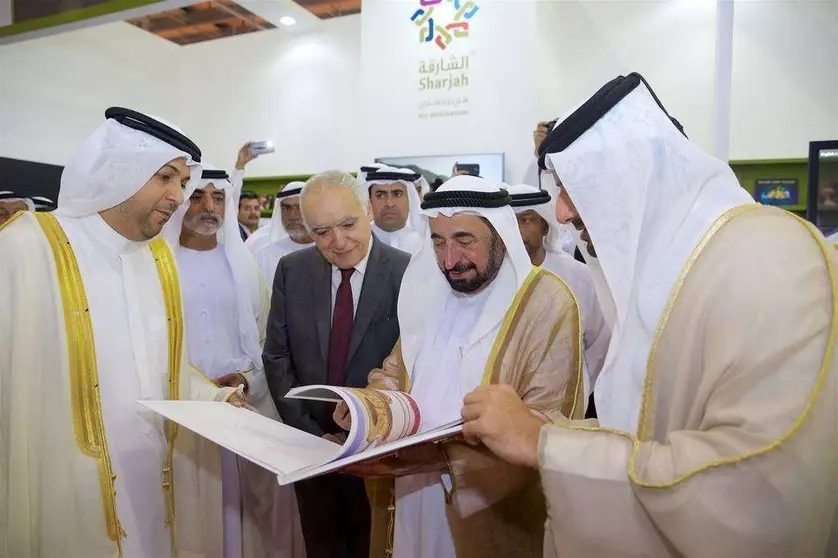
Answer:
[(356, 281)]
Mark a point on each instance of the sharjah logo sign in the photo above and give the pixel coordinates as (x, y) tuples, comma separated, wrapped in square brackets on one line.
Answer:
[(434, 27)]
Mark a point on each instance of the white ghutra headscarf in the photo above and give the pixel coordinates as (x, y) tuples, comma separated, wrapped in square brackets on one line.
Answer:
[(546, 210), (647, 195), (424, 288), (291, 191), (275, 231), (112, 165), (246, 277), (408, 238)]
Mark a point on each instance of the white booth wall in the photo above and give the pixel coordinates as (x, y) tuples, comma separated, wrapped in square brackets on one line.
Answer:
[(54, 90), (349, 90), (784, 90)]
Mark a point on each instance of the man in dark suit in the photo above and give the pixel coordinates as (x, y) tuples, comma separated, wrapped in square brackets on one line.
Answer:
[(333, 319)]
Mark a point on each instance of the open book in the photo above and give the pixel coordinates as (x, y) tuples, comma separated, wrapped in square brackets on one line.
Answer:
[(383, 422)]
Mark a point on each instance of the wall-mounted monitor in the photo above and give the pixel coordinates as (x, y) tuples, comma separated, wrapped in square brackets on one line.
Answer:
[(822, 178), (486, 165)]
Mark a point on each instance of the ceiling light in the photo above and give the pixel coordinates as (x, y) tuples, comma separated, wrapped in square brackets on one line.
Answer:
[(287, 21)]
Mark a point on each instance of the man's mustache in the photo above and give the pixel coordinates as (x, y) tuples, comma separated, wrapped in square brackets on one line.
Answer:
[(461, 268), (211, 216), (169, 208)]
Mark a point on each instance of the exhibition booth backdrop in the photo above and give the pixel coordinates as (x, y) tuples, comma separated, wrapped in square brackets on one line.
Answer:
[(339, 93)]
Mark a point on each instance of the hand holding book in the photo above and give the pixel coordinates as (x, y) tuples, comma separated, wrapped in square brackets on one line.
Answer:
[(342, 416)]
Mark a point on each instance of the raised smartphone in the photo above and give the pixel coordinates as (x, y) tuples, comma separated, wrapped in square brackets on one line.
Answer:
[(261, 147)]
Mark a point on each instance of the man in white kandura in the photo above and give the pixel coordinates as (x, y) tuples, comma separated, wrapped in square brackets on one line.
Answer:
[(84, 469), (395, 203), (542, 236), (286, 234), (226, 306), (718, 401), (486, 315)]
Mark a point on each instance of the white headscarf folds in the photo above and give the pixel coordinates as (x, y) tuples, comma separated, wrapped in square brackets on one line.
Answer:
[(647, 195), (545, 207), (365, 170), (245, 272), (115, 162), (425, 289), (390, 175), (292, 190)]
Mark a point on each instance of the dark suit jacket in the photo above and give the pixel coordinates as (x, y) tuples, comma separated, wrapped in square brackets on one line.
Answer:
[(297, 347)]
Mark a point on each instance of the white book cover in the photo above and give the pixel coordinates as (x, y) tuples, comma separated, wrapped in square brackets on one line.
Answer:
[(383, 422)]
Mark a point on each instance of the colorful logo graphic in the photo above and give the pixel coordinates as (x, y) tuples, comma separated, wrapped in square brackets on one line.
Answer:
[(776, 191), (436, 30)]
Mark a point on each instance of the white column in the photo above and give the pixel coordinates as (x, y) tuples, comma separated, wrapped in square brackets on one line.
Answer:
[(724, 67)]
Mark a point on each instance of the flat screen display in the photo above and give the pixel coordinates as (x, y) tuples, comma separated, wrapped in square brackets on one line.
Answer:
[(827, 214), (486, 165)]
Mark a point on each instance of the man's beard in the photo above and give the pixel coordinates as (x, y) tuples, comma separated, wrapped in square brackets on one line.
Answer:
[(297, 232), (579, 225), (131, 210), (198, 225), (467, 286)]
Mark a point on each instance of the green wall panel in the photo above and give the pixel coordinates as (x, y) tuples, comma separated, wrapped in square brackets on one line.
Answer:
[(750, 171)]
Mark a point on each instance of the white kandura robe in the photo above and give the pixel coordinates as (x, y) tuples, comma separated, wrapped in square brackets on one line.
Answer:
[(595, 333), (446, 370), (109, 263), (214, 346), (404, 239), (265, 511), (55, 511), (258, 240), (268, 256)]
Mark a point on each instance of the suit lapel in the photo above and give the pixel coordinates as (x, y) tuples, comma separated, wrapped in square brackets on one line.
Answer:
[(321, 293), (373, 292)]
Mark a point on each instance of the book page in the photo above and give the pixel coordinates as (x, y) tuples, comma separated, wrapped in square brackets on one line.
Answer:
[(290, 454), (270, 444), (378, 416)]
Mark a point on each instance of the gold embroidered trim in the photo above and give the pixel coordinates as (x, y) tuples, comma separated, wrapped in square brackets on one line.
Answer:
[(391, 524), (578, 396), (170, 285), (405, 381), (511, 314), (510, 320), (645, 428), (798, 423), (88, 422), (201, 374)]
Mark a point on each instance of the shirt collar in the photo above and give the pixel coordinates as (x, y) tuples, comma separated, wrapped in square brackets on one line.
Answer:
[(102, 233)]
